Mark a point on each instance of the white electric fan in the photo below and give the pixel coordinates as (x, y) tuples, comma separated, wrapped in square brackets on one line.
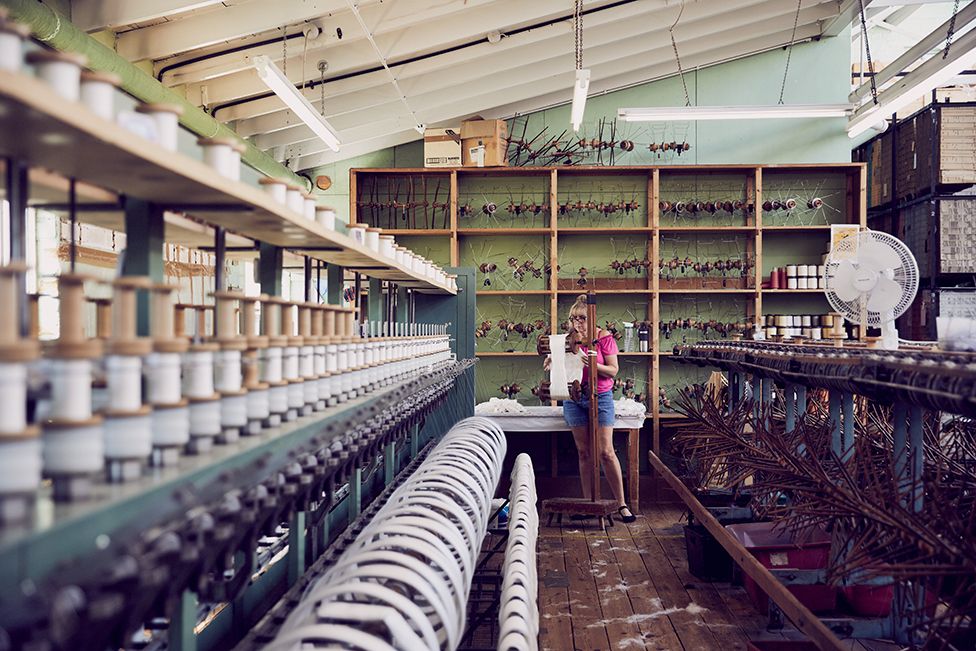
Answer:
[(871, 279)]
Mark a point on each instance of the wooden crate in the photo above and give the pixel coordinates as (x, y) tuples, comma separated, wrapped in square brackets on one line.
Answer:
[(943, 136), (940, 233)]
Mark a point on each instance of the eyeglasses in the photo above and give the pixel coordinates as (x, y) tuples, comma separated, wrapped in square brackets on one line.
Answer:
[(578, 319)]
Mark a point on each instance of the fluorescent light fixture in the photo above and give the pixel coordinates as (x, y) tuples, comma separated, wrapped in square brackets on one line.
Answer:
[(271, 75), (580, 88), (779, 111)]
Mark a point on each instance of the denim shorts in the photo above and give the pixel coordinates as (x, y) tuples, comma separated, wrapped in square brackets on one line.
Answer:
[(577, 414)]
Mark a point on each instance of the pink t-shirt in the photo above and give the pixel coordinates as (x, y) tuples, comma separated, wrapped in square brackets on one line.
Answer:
[(604, 346)]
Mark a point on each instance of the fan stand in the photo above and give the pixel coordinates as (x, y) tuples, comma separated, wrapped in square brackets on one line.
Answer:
[(889, 333), (593, 506)]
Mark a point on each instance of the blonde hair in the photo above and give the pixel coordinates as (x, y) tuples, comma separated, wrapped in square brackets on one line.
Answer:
[(579, 307)]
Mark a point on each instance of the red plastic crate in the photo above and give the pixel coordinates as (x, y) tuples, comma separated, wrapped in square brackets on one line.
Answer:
[(776, 548)]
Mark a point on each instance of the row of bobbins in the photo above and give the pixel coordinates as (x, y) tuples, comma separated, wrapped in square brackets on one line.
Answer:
[(198, 392), (296, 199), (375, 240)]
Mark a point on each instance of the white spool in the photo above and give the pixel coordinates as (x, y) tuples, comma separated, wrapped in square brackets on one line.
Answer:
[(791, 283), (163, 378), (98, 94), (272, 367), (13, 395), (258, 406), (278, 399), (373, 239), (233, 411), (20, 465), (325, 388), (124, 374), (564, 369), (306, 362), (128, 437), (73, 450), (277, 189), (332, 358), (309, 209), (229, 371), (170, 426), (290, 363), (295, 200), (325, 216), (358, 233), (802, 270), (318, 360), (234, 167), (61, 74), (342, 357), (218, 154), (167, 126), (198, 374), (205, 418), (71, 389), (801, 282), (296, 395), (310, 392), (12, 37), (791, 271)]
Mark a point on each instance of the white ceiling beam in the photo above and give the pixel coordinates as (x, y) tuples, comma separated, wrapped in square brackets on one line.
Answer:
[(848, 12), (612, 29), (935, 39), (464, 27), (383, 18), (935, 72), (607, 77), (96, 15), (640, 49), (229, 23)]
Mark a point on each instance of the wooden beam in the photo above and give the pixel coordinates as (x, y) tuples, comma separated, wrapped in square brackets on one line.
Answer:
[(801, 617)]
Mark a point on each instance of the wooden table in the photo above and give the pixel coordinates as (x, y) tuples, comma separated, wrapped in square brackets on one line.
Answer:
[(550, 419)]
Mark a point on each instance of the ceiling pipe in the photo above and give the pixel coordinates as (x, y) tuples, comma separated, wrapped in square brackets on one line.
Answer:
[(56, 31)]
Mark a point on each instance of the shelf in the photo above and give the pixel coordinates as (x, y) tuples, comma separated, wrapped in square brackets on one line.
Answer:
[(416, 231), (502, 353), (609, 231), (515, 292), (708, 291), (584, 290), (793, 291), (814, 227), (635, 354), (504, 231), (672, 416), (707, 229), (39, 127)]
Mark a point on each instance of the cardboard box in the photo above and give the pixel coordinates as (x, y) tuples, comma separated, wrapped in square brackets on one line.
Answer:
[(442, 147), (478, 128), (484, 152)]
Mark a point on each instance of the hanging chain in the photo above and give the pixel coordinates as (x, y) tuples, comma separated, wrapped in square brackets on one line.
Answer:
[(789, 51), (322, 86), (578, 32), (952, 28), (677, 59), (867, 51), (284, 51)]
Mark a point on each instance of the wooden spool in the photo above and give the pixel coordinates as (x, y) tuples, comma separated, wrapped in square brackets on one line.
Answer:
[(72, 343), (249, 322), (124, 339), (13, 347), (350, 325), (225, 321), (317, 315), (163, 326), (329, 324), (288, 324), (271, 311), (103, 317)]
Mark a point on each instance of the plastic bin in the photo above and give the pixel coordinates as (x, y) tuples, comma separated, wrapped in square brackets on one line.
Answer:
[(777, 549), (869, 600)]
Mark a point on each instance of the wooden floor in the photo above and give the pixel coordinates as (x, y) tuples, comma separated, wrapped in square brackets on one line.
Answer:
[(628, 587)]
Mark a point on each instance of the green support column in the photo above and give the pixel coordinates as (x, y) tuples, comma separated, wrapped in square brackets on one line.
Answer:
[(402, 305), (296, 547), (326, 531), (355, 494), (144, 241), (414, 442), (269, 269), (375, 305), (334, 279), (389, 463), (181, 635)]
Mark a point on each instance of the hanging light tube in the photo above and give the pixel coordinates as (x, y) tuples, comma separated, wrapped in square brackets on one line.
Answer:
[(580, 89), (279, 84), (694, 113)]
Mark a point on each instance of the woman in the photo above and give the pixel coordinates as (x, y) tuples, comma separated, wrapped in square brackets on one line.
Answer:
[(577, 414)]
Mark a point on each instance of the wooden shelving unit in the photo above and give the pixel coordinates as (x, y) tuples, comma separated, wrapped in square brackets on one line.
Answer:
[(38, 126), (654, 181)]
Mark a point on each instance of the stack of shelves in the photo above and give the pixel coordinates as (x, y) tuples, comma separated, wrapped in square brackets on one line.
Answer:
[(540, 226), (43, 131)]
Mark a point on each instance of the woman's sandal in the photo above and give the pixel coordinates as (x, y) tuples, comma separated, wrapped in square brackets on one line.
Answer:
[(627, 519)]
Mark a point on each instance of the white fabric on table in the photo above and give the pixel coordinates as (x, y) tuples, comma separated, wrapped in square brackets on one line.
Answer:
[(550, 419)]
